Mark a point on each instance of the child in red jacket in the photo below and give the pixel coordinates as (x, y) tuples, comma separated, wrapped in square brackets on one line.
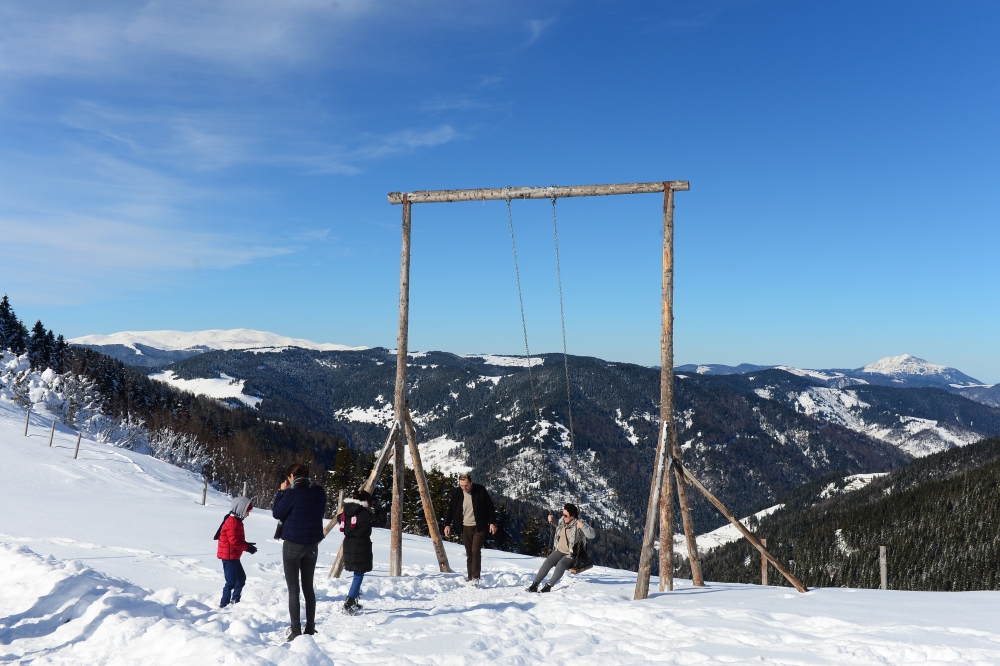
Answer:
[(232, 544)]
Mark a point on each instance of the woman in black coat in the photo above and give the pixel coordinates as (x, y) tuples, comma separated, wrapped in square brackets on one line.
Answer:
[(300, 506), (357, 521)]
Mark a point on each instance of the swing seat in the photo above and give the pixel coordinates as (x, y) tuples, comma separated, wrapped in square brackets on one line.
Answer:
[(580, 570)]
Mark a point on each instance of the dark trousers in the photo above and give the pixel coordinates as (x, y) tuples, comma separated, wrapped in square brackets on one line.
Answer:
[(561, 561), (473, 539), (236, 578), (300, 560)]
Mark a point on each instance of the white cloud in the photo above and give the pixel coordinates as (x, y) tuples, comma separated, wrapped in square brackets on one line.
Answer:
[(536, 27)]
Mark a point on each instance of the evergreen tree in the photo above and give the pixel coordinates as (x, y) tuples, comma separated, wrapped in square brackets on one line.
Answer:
[(13, 334), (50, 351), (38, 351), (61, 354), (531, 538)]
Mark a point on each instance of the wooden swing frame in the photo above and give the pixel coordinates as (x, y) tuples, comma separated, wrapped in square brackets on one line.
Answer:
[(668, 453)]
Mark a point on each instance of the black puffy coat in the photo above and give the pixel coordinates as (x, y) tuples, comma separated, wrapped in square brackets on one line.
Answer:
[(301, 509), (358, 522)]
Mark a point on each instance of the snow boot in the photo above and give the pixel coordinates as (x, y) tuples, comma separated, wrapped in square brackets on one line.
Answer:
[(291, 634), (310, 629), (547, 588), (533, 587), (351, 606)]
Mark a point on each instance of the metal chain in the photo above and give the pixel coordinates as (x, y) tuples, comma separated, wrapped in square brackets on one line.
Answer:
[(562, 320), (524, 325)]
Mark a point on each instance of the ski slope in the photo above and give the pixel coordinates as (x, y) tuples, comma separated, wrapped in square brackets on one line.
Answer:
[(109, 559)]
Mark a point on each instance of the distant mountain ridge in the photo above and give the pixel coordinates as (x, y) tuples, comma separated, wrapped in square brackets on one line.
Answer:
[(904, 371), (155, 349)]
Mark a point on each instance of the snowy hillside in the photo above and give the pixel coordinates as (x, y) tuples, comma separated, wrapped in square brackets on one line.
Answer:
[(114, 564)]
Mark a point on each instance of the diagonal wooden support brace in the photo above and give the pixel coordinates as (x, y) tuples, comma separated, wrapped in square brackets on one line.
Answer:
[(380, 462), (425, 493), (682, 473)]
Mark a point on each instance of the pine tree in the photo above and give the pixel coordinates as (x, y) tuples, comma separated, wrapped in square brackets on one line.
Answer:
[(61, 359), (50, 351), (531, 537), (38, 352), (13, 334), (8, 323)]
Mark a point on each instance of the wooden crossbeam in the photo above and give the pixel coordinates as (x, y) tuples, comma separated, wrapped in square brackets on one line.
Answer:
[(559, 192)]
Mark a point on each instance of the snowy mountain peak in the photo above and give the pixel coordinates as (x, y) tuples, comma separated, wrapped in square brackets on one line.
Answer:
[(904, 365), (236, 338)]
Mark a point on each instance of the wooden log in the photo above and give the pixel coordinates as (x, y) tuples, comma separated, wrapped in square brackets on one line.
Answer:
[(399, 399), (667, 534), (684, 475), (52, 432), (652, 509), (883, 568), (430, 515), (204, 492), (668, 436), (763, 564), (26, 417), (76, 452), (503, 193), (380, 462)]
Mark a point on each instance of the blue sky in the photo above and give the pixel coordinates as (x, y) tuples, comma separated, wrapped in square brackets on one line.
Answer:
[(195, 165)]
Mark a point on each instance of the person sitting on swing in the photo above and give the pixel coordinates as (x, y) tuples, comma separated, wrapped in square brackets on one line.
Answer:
[(570, 532)]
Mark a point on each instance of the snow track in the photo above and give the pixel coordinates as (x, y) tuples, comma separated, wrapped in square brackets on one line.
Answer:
[(109, 560)]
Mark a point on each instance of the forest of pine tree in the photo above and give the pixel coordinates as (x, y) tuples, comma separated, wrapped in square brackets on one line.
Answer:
[(939, 518)]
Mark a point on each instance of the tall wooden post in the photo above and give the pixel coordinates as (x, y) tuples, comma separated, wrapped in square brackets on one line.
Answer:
[(52, 432), (430, 515), (763, 564), (668, 437), (204, 492), (76, 452), (667, 534), (399, 401), (667, 377), (26, 417)]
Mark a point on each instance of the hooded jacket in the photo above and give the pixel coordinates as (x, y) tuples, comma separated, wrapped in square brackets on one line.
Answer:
[(358, 521), (301, 509), (232, 539)]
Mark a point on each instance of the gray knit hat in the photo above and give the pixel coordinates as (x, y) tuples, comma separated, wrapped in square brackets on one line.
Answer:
[(241, 507)]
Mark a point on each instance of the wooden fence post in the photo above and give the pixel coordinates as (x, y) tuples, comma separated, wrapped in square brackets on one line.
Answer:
[(79, 435), (204, 492), (883, 568), (52, 432), (667, 534), (244, 489), (763, 564), (26, 417)]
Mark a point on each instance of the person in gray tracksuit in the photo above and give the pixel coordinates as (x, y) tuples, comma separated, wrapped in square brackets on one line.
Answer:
[(570, 531)]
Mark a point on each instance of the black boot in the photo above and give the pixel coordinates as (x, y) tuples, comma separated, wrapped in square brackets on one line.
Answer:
[(533, 587), (547, 588), (310, 628), (292, 633), (351, 606)]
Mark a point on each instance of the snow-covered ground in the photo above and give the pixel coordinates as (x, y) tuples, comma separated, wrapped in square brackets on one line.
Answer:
[(109, 559), (220, 387)]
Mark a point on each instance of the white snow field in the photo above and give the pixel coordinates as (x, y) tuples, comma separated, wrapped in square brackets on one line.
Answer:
[(236, 338), (109, 559)]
